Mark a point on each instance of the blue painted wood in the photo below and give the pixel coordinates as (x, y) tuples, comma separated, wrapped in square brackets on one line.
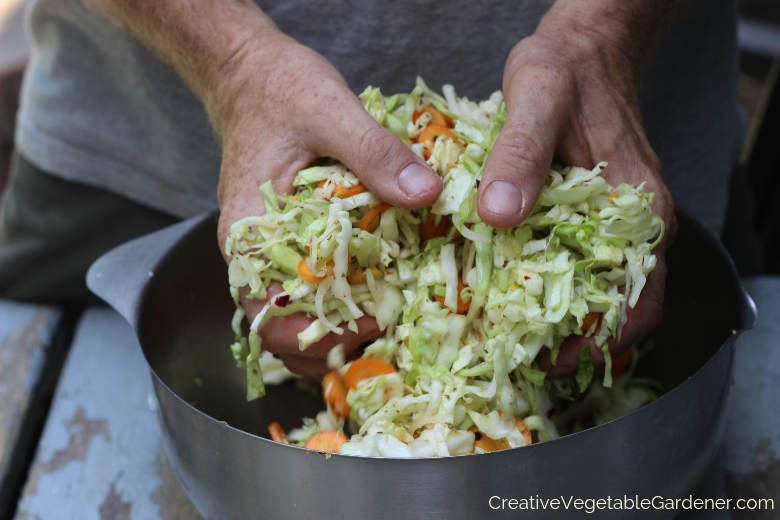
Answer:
[(26, 333), (101, 455)]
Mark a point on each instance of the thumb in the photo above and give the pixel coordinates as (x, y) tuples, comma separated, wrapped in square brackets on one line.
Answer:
[(382, 162), (521, 156)]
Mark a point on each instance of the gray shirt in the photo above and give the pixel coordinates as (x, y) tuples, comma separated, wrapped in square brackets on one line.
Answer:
[(98, 108)]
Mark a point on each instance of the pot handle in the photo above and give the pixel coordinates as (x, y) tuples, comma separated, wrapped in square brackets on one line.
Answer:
[(120, 276)]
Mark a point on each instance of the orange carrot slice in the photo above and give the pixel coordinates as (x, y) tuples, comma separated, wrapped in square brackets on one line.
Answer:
[(524, 430), (370, 220), (326, 440), (489, 444), (431, 132), (430, 230), (463, 308), (613, 196), (341, 192), (277, 433), (437, 118), (306, 275), (622, 362), (335, 394), (365, 368), (359, 275), (587, 323)]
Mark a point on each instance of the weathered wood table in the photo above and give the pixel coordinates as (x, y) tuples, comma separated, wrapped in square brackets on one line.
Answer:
[(100, 456)]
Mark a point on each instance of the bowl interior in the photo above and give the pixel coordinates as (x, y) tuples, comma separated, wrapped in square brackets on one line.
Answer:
[(185, 328)]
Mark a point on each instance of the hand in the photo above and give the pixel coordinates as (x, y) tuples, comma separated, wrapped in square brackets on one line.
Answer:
[(287, 107), (572, 93)]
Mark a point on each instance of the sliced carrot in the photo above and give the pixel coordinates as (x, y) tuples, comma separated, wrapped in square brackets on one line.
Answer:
[(326, 440), (463, 308), (622, 362), (613, 196), (341, 192), (524, 430), (426, 153), (359, 275), (370, 220), (365, 368), (431, 132), (277, 433), (591, 318), (430, 230), (335, 394), (437, 118), (306, 275), (489, 444)]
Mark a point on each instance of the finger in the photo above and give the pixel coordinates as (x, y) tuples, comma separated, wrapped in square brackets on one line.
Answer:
[(380, 160), (279, 335), (312, 367), (240, 181), (521, 156), (641, 320), (304, 366)]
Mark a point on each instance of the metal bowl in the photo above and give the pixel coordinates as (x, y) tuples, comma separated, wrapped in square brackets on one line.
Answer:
[(172, 287)]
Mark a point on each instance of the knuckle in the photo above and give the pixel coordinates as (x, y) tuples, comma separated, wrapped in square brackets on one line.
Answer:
[(523, 152), (376, 146), (552, 79)]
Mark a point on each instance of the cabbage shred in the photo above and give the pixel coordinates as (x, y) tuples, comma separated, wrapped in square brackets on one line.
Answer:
[(527, 288)]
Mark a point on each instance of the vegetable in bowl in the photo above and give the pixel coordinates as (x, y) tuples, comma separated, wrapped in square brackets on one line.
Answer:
[(466, 310)]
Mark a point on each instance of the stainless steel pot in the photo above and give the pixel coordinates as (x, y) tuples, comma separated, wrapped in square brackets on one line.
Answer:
[(172, 287)]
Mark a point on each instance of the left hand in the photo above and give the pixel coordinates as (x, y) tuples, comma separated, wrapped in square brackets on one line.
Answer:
[(572, 94)]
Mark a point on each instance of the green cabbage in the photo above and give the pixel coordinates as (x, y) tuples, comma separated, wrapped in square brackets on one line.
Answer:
[(527, 288)]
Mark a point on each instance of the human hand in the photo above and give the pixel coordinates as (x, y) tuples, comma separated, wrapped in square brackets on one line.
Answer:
[(571, 93), (288, 106)]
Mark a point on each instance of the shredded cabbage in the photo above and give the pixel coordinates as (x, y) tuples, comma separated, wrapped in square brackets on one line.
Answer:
[(466, 310)]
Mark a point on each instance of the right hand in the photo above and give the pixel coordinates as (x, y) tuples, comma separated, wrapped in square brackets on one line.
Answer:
[(282, 106)]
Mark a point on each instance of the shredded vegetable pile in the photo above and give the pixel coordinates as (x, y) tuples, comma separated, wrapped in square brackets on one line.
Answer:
[(465, 310)]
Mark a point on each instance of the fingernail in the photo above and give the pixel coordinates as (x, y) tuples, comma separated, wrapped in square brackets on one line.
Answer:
[(416, 179), (503, 198)]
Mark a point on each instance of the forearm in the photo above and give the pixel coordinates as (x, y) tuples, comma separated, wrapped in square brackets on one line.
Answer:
[(207, 42)]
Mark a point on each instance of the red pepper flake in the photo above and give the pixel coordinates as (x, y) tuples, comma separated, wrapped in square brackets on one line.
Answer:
[(506, 262), (282, 301), (551, 413), (477, 436)]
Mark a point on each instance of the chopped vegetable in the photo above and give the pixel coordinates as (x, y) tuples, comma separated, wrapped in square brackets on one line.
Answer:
[(623, 361), (370, 220), (335, 394), (431, 132), (366, 368), (466, 311), (326, 440), (277, 433), (342, 192)]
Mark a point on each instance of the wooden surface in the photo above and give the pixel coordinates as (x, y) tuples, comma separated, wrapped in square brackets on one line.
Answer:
[(26, 333), (101, 456), (750, 454)]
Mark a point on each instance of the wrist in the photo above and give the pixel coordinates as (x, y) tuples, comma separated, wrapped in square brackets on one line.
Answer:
[(241, 80)]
